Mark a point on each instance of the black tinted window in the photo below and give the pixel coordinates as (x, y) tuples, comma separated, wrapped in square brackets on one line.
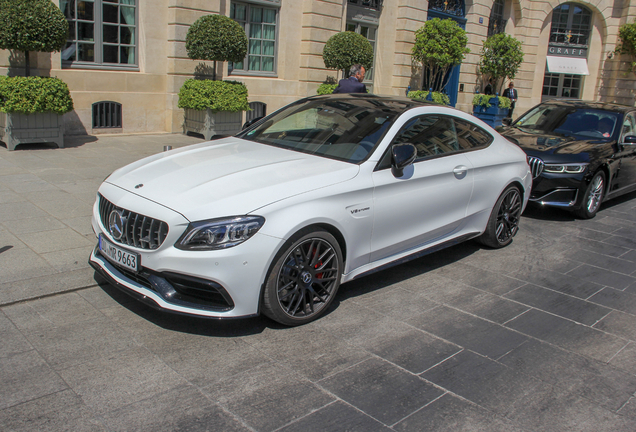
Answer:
[(471, 136)]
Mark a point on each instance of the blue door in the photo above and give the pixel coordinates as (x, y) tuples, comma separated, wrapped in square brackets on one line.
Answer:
[(452, 76)]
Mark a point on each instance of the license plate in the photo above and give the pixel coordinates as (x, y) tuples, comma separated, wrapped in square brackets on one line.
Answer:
[(118, 255)]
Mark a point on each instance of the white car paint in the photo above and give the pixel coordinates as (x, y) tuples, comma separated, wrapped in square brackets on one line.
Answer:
[(381, 218)]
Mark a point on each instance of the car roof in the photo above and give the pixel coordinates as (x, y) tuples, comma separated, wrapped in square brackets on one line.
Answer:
[(408, 102), (582, 104)]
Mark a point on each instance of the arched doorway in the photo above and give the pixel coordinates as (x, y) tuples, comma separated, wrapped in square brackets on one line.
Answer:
[(566, 60), (455, 10)]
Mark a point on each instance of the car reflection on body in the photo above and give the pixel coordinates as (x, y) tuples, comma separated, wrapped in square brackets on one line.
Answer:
[(581, 153), (325, 190)]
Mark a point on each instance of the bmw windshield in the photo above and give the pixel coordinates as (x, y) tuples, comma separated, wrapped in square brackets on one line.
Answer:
[(345, 129), (583, 123)]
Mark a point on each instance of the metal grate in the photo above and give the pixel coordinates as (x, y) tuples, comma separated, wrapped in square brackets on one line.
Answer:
[(106, 115), (536, 166), (139, 231), (258, 109)]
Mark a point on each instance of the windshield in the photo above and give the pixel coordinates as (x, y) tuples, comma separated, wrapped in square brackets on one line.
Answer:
[(569, 120), (342, 129)]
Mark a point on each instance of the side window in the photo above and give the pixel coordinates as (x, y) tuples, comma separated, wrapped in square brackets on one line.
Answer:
[(470, 136), (629, 127), (431, 136)]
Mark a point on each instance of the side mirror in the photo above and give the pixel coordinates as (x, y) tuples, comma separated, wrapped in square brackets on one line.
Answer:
[(251, 122), (629, 139), (402, 155), (506, 121)]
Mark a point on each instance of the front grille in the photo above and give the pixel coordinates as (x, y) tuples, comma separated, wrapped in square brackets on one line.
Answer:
[(536, 166), (139, 231)]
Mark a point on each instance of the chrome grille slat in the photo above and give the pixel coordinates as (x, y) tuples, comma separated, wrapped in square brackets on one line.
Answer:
[(536, 166), (139, 231)]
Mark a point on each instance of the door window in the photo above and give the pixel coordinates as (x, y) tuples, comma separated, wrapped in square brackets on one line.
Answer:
[(629, 126)]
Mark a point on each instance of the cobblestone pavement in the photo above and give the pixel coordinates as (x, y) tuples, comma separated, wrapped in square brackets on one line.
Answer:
[(539, 336)]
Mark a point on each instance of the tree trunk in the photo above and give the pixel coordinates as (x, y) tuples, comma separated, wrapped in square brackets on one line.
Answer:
[(214, 71), (27, 64)]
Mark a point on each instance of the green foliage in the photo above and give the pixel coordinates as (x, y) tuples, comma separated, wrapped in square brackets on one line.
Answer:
[(325, 88), (627, 43), (439, 45), (216, 37), (30, 95), (484, 100), (438, 98), (345, 49), (216, 95), (32, 25), (501, 57)]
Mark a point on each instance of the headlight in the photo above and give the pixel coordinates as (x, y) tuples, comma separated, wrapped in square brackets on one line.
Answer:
[(565, 169), (219, 233)]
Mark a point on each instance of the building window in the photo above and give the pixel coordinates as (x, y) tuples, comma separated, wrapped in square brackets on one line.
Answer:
[(374, 4), (561, 86), (106, 115), (101, 32), (570, 24), (259, 24), (496, 22), (369, 32)]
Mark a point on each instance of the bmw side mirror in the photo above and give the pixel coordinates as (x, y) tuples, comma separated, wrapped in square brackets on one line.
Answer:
[(629, 139), (251, 122), (402, 155)]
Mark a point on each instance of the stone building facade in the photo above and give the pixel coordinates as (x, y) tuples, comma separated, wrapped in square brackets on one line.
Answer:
[(126, 60)]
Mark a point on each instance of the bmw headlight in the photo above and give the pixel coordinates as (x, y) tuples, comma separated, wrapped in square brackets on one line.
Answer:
[(575, 168), (219, 233)]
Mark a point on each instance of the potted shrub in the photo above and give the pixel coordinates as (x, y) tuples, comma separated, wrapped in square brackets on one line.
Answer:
[(491, 109), (439, 45), (501, 57), (31, 110), (431, 96), (214, 107), (343, 50), (32, 25)]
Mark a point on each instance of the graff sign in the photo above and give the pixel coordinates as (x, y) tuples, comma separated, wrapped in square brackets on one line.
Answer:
[(567, 51)]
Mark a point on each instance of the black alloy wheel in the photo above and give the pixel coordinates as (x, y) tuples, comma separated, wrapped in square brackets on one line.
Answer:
[(503, 223), (593, 197), (304, 280)]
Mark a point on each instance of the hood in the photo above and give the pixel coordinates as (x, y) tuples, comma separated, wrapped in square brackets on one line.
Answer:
[(228, 177)]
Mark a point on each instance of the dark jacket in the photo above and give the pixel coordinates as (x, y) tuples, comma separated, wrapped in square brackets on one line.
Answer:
[(514, 95), (350, 85)]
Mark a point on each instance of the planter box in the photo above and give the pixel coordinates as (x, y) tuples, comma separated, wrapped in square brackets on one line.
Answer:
[(208, 123), (492, 115), (16, 128)]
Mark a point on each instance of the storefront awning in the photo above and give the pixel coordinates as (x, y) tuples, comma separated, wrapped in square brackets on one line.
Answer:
[(567, 65)]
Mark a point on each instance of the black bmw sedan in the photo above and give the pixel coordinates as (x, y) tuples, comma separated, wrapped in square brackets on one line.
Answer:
[(581, 153)]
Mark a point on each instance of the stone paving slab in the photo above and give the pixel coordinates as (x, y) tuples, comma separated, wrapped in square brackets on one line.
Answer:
[(538, 336)]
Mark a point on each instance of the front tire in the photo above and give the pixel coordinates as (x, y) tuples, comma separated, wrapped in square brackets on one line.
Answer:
[(593, 197), (304, 279), (503, 223)]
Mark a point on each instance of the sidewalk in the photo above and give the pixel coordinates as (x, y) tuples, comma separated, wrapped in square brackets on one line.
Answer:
[(46, 199)]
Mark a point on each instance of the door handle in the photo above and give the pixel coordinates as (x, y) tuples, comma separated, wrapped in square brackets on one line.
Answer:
[(460, 171)]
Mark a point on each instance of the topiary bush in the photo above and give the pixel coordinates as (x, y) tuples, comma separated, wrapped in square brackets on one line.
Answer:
[(439, 45), (217, 95), (32, 25), (325, 88), (438, 98), (501, 57), (345, 49), (217, 38), (28, 95), (484, 100)]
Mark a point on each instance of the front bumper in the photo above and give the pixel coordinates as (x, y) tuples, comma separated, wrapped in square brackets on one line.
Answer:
[(558, 190)]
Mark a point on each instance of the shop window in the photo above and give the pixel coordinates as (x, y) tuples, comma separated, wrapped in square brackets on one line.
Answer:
[(571, 24), (101, 32), (260, 25)]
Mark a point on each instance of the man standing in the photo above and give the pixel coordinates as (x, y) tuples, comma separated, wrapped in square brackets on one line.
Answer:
[(353, 84), (511, 94)]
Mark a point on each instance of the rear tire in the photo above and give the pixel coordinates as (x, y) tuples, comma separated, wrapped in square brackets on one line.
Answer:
[(304, 279), (503, 223), (593, 197)]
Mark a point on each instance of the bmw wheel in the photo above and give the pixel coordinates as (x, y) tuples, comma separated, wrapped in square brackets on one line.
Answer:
[(503, 223), (304, 279), (593, 197)]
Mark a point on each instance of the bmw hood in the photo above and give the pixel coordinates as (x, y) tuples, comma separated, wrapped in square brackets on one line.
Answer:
[(228, 177), (553, 144)]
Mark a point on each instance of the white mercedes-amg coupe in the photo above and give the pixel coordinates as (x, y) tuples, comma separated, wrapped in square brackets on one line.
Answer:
[(323, 191)]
